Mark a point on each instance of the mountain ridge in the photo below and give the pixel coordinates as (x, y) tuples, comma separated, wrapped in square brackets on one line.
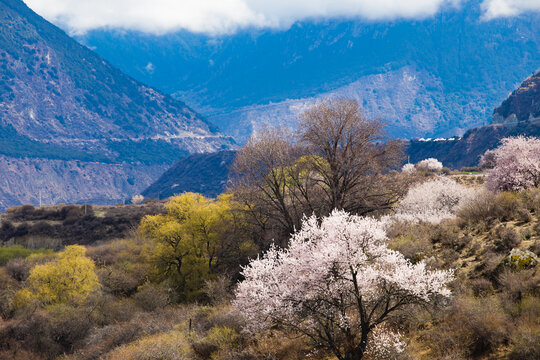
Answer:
[(469, 65), (69, 116), (455, 153)]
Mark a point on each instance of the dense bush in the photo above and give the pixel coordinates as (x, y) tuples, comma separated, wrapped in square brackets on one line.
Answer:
[(69, 279), (16, 251), (57, 226), (195, 240), (487, 208)]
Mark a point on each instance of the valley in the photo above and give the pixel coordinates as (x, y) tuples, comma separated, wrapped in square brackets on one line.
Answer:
[(254, 180)]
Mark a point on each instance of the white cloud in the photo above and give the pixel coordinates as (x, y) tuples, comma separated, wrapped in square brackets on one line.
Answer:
[(225, 16), (501, 8), (220, 16)]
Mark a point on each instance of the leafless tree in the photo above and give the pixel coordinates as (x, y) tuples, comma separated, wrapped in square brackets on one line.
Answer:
[(337, 159)]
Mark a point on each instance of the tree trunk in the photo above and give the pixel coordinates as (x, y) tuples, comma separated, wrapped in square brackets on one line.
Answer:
[(357, 353), (354, 355)]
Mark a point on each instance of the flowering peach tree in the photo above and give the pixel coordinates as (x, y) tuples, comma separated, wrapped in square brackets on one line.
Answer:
[(337, 283), (408, 168), (434, 200), (517, 164), (429, 164)]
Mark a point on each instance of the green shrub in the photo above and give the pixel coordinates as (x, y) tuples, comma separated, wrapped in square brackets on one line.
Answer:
[(17, 251)]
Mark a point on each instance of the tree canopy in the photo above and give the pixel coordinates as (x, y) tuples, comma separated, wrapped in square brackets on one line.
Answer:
[(336, 283), (195, 238), (68, 279), (337, 159)]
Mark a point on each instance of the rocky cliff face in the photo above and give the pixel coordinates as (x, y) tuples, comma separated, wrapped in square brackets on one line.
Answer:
[(25, 180), (523, 105), (519, 114), (77, 128)]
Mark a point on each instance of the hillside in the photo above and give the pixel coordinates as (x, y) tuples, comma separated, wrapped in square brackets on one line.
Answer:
[(522, 105), (433, 77), (202, 173), (467, 150), (61, 225), (67, 113), (517, 115)]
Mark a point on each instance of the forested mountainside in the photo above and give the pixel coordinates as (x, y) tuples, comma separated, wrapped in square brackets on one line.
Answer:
[(433, 77), (67, 113)]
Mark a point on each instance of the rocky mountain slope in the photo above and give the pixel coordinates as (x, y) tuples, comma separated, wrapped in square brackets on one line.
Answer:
[(522, 105), (77, 129), (466, 151), (206, 174), (519, 114), (414, 98), (433, 77)]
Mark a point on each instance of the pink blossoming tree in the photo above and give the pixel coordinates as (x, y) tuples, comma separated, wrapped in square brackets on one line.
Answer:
[(337, 283), (517, 164)]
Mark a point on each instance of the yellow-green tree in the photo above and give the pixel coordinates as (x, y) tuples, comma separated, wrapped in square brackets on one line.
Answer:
[(68, 279), (196, 238)]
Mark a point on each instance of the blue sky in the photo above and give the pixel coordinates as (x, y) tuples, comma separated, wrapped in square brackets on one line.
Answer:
[(227, 16)]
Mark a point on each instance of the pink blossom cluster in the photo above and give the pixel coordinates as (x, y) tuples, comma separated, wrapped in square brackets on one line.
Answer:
[(517, 165), (434, 200), (137, 199), (327, 271)]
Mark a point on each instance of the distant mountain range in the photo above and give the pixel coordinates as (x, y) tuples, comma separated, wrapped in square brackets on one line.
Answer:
[(74, 128), (434, 77), (455, 153)]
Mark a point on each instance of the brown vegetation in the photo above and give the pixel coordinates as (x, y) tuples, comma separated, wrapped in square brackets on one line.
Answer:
[(281, 177)]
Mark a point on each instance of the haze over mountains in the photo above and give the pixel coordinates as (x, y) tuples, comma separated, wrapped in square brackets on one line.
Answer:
[(73, 128), (437, 76), (519, 114)]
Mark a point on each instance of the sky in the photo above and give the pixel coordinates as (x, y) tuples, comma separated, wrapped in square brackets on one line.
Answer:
[(227, 16)]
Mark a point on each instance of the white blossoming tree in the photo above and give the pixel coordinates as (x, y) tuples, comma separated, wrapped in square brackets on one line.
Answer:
[(517, 164), (408, 168), (434, 200), (137, 199), (430, 164), (336, 283)]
